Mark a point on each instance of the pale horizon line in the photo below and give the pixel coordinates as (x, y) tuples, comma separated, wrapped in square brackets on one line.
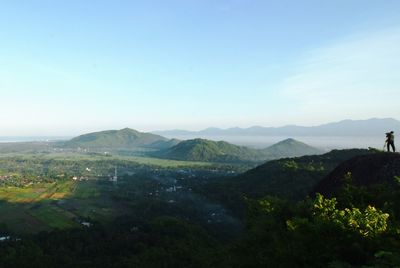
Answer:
[(59, 137)]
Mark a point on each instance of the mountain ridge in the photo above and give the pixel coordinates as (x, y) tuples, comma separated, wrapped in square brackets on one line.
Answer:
[(347, 127)]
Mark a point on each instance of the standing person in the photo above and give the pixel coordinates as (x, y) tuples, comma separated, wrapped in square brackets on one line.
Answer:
[(390, 141)]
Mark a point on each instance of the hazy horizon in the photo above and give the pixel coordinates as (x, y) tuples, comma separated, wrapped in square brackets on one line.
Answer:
[(69, 134), (324, 142), (321, 142)]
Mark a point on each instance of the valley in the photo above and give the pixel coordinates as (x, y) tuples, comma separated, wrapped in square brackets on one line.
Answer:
[(44, 188), (125, 193)]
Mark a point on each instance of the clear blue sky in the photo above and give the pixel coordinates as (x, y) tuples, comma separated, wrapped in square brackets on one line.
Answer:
[(72, 66)]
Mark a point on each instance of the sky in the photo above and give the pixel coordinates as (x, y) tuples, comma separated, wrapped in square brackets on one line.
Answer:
[(69, 67)]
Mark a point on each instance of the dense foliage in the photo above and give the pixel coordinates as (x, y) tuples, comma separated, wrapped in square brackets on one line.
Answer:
[(311, 233), (357, 227), (210, 151), (322, 232), (289, 178), (163, 242)]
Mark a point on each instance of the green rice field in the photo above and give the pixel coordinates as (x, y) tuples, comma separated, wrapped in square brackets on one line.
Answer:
[(58, 205)]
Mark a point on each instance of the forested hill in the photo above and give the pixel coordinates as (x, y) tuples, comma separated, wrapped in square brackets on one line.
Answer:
[(289, 178), (117, 139), (220, 151), (364, 171), (353, 223), (290, 148), (211, 151)]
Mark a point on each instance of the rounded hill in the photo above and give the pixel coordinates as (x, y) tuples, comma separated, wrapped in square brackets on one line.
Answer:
[(116, 139), (290, 148), (210, 151)]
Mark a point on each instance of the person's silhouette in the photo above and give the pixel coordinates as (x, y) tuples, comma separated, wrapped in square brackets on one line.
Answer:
[(390, 141)]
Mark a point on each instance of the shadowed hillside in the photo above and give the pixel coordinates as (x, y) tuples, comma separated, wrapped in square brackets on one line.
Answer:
[(289, 178), (363, 170)]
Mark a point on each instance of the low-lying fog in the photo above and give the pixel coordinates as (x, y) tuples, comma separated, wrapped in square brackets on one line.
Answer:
[(325, 143)]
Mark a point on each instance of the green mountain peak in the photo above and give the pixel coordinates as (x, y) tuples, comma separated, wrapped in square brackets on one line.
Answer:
[(115, 139)]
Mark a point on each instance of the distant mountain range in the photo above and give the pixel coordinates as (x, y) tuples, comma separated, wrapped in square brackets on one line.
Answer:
[(370, 127), (220, 151)]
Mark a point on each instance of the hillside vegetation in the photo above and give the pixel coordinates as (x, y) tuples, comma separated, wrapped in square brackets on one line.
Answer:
[(289, 178), (220, 151), (290, 148), (363, 171), (117, 139), (358, 225), (210, 151)]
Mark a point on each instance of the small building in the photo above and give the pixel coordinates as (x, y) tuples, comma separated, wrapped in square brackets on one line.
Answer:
[(115, 177), (86, 224), (171, 189), (4, 238)]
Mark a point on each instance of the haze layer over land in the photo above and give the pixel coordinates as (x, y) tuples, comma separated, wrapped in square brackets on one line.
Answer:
[(342, 134)]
